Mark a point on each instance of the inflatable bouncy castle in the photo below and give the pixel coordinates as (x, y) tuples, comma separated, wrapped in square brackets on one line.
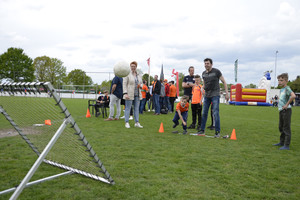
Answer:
[(251, 96)]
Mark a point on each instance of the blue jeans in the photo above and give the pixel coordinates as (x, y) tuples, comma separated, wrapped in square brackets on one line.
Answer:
[(136, 105), (184, 116), (142, 105), (157, 105), (167, 102), (215, 108)]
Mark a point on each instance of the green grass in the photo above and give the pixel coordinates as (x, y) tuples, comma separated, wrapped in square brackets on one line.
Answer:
[(146, 164)]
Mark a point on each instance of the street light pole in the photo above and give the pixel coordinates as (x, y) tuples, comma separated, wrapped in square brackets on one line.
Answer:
[(275, 68)]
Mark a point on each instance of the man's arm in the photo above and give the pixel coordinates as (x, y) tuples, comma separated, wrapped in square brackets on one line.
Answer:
[(113, 88), (226, 88)]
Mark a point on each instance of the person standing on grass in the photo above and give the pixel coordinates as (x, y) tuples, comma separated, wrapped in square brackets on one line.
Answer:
[(181, 113), (116, 94), (156, 94), (286, 97), (211, 77), (188, 82), (196, 102), (132, 85), (144, 92), (173, 95)]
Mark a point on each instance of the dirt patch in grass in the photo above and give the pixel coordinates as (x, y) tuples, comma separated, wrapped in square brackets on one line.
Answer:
[(12, 132)]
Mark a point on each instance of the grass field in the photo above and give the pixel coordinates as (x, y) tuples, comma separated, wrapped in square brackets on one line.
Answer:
[(146, 164)]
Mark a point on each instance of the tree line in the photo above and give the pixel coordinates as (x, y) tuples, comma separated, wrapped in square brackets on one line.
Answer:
[(16, 66)]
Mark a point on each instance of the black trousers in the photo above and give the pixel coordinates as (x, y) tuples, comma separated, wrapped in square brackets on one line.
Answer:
[(285, 126), (172, 100), (196, 112)]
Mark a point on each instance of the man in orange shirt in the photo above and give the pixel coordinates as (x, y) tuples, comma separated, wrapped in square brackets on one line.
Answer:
[(143, 101), (173, 94), (181, 113), (196, 103)]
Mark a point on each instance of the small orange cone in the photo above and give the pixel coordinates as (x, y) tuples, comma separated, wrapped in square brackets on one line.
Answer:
[(161, 128), (88, 114), (48, 122), (233, 135)]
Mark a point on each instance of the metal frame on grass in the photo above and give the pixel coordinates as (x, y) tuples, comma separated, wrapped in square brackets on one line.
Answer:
[(14, 88)]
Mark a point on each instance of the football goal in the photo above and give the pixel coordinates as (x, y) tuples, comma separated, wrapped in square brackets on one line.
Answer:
[(36, 113)]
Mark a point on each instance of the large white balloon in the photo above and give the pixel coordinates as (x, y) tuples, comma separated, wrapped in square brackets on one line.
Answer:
[(121, 69)]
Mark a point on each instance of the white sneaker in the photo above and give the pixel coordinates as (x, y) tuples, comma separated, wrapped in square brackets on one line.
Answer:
[(123, 117), (127, 125), (130, 118), (138, 125), (148, 110)]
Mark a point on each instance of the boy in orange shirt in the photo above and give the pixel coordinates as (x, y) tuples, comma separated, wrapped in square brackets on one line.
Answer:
[(196, 103), (181, 113)]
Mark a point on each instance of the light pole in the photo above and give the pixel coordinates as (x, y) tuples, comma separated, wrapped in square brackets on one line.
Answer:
[(275, 68)]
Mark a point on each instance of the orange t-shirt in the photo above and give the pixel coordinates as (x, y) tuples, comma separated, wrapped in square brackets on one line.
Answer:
[(197, 94), (182, 109), (144, 90), (173, 91)]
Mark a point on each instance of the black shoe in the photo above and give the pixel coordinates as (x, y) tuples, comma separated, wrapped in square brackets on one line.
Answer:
[(211, 127), (217, 134), (174, 126), (198, 127), (184, 132), (97, 114), (201, 132), (192, 126)]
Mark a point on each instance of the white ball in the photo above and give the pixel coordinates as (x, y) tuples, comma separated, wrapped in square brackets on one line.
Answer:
[(121, 69)]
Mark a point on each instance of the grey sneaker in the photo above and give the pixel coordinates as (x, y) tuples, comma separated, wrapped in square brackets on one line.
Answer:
[(217, 134), (201, 132)]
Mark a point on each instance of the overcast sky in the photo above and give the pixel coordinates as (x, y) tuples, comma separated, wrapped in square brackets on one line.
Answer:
[(93, 35)]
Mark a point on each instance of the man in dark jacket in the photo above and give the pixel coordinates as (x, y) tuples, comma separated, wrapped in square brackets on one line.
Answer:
[(156, 94)]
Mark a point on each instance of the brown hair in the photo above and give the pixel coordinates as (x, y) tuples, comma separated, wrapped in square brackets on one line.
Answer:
[(209, 60), (284, 76), (197, 76), (184, 97), (134, 62)]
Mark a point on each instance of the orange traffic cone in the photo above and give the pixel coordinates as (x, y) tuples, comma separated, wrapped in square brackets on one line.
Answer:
[(88, 114), (48, 122), (233, 135), (161, 128)]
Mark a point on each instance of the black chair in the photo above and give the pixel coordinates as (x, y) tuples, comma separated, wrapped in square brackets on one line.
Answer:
[(91, 103)]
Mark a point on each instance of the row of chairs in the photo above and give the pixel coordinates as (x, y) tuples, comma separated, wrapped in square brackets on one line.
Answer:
[(91, 106)]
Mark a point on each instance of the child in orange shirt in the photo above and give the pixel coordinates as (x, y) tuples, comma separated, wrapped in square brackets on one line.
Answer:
[(196, 103), (181, 113)]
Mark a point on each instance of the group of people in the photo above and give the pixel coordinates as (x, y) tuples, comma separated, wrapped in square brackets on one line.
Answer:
[(208, 93), (134, 91)]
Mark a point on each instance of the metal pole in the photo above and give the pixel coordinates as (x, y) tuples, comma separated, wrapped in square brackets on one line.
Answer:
[(39, 160), (37, 181), (275, 68)]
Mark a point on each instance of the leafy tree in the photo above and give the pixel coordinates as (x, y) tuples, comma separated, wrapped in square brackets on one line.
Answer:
[(15, 65), (180, 79), (146, 76), (49, 69), (295, 85), (78, 77), (251, 85), (105, 85)]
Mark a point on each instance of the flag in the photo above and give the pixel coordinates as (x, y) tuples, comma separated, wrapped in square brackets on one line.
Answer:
[(148, 62), (235, 70)]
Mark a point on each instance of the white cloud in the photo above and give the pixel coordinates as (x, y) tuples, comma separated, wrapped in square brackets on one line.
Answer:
[(94, 35)]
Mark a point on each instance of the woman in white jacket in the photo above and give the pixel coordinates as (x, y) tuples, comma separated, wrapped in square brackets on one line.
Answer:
[(132, 85)]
